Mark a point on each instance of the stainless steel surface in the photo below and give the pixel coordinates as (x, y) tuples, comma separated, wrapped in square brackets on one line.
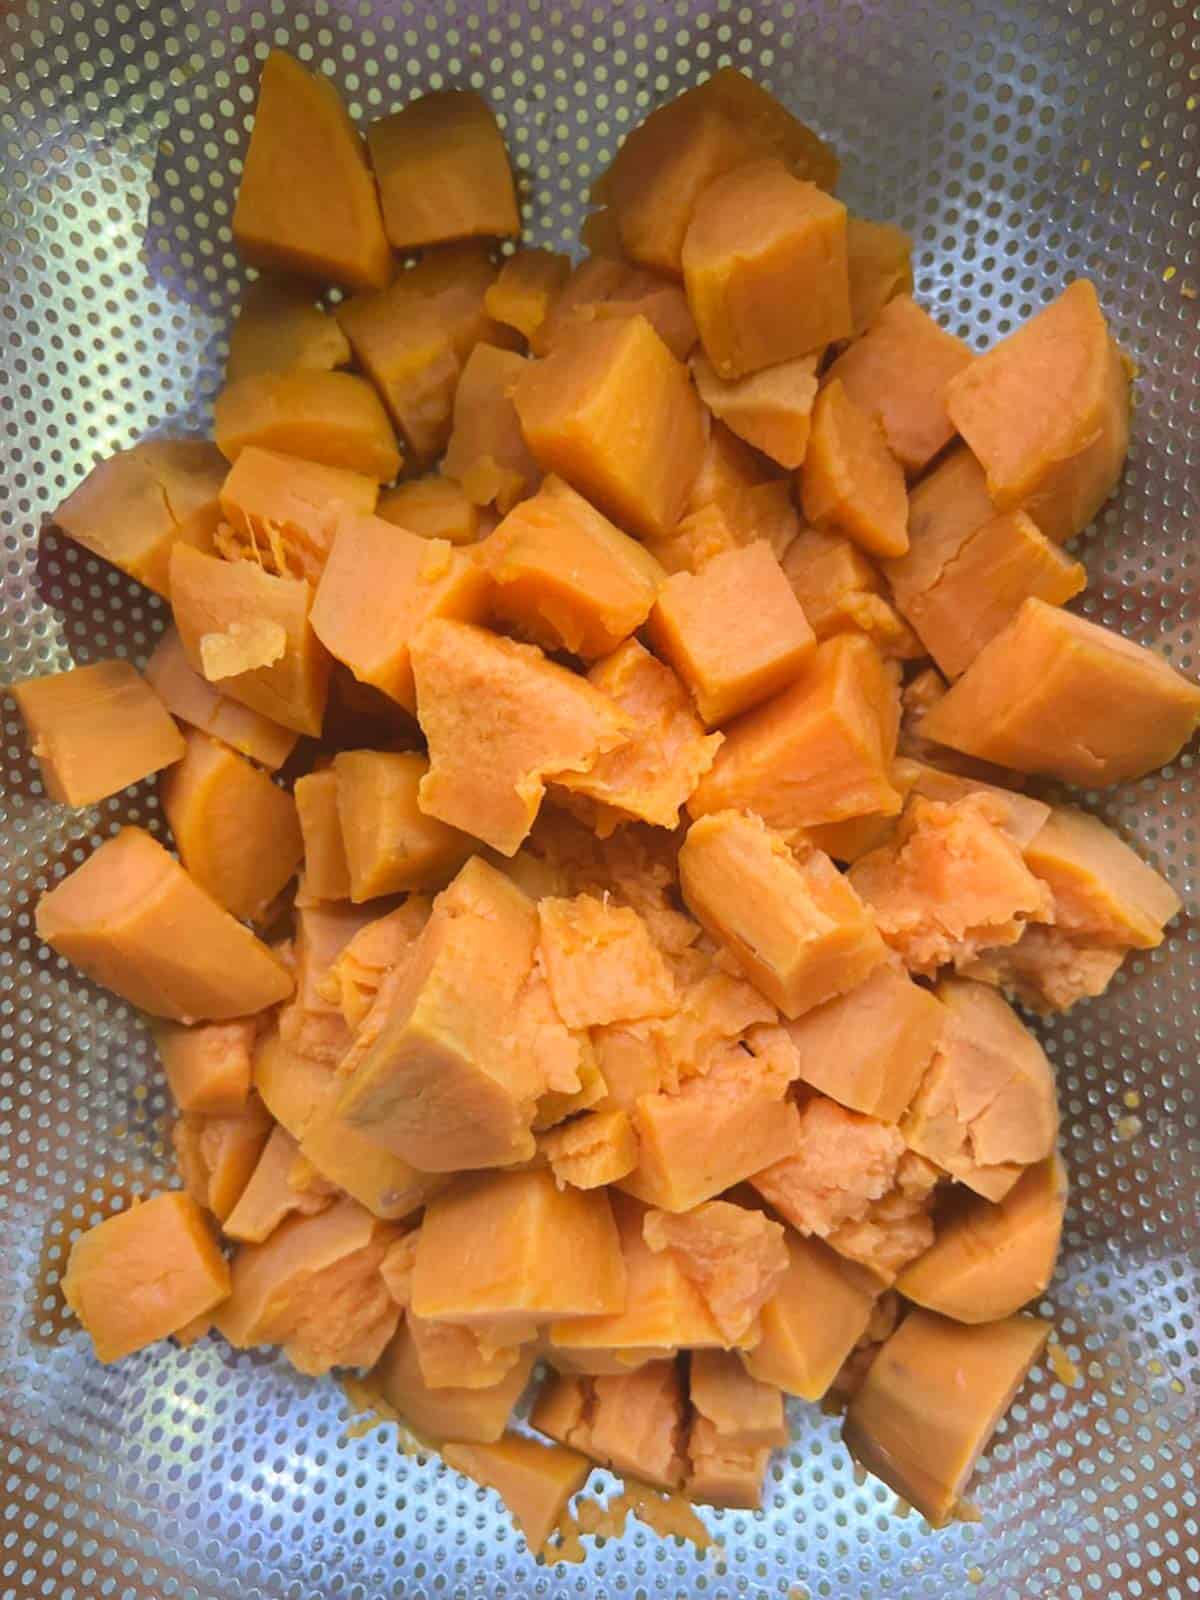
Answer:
[(1022, 144)]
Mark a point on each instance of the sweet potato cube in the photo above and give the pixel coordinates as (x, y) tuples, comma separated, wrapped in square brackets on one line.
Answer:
[(434, 507), (986, 1107), (333, 418), (631, 1422), (612, 411), (283, 512), (949, 883), (945, 508), (652, 775), (379, 586), (898, 373), (307, 201), (390, 843), (326, 870), (715, 1132), (272, 1192), (812, 1322), (132, 919), (412, 339), (566, 576), (312, 1023), (850, 481), (764, 265), (1055, 694), (840, 591), (839, 1165), (236, 831), (869, 1049), (190, 697), (459, 1358), (982, 586), (380, 1181), (526, 288), (439, 1083), (292, 1085), (592, 1150), (511, 1250), (278, 328), (486, 451), (314, 1287), (721, 1473), (1020, 816), (734, 632), (95, 730), (135, 506), (456, 1414), (988, 1261), (663, 1310), (819, 752), (1046, 411), (737, 517), (443, 171), (488, 773), (143, 1274), (789, 919), (210, 597), (216, 1156), (601, 963), (666, 162), (931, 1399), (534, 1481), (1103, 891), (770, 409), (207, 1067), (602, 288), (879, 259), (728, 465), (734, 1255), (744, 1411)]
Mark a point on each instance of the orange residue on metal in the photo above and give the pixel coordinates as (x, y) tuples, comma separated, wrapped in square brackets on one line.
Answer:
[(1169, 274), (370, 1411), (1063, 1368), (1189, 291), (1132, 1098), (1128, 1127), (974, 1575), (967, 1511), (668, 1515)]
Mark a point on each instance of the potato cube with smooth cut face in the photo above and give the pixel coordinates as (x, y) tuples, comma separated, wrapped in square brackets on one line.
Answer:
[(630, 1422), (190, 697), (332, 418), (278, 326), (390, 844), (771, 409), (326, 870), (1103, 891), (812, 1322), (454, 1414), (850, 480), (486, 451), (879, 260)]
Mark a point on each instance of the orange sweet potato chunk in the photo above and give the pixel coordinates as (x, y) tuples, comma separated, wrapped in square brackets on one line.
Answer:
[(771, 409), (534, 1481), (190, 697), (602, 288), (650, 777), (454, 1357), (275, 1190), (488, 771), (812, 1322), (819, 752), (1103, 891), (486, 451), (526, 288), (278, 328), (420, 579), (840, 590), (986, 1106), (208, 1066), (132, 919), (950, 883), (434, 507), (1047, 970), (216, 1156), (632, 1423), (869, 1048), (592, 1150), (443, 171), (381, 1181), (734, 632), (721, 1473), (735, 1257), (326, 870), (237, 833), (314, 1287), (764, 266), (511, 1250), (136, 505), (728, 466), (879, 258), (283, 512), (390, 843), (666, 162), (96, 730), (455, 1413), (565, 576), (213, 598), (945, 508), (1046, 411), (1055, 694), (601, 963), (612, 411), (307, 202), (898, 373), (333, 418), (851, 481), (144, 1274), (922, 1435), (743, 1411), (736, 518)]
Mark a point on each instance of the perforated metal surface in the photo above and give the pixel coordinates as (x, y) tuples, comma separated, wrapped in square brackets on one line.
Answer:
[(1021, 145)]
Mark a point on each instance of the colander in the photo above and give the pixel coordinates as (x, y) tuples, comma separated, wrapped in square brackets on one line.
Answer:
[(1021, 145)]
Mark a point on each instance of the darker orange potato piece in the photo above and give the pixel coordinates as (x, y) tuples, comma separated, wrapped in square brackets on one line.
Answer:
[(850, 480)]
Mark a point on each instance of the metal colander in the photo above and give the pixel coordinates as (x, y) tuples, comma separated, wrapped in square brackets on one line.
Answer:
[(1021, 145)]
